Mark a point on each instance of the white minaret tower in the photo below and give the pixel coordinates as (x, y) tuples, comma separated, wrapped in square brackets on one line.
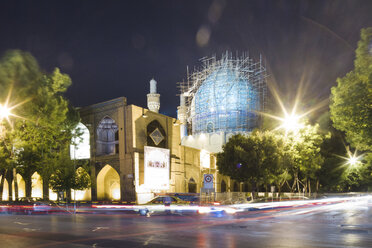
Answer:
[(153, 98), (182, 116)]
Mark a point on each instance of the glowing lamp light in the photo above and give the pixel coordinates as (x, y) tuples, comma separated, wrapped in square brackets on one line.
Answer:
[(291, 123), (4, 112), (353, 161)]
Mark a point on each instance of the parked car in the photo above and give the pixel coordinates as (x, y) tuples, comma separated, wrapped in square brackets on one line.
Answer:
[(167, 200)]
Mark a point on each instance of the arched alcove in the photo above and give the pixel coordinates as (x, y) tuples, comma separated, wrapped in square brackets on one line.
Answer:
[(5, 189), (80, 142), (36, 185), (81, 195), (223, 186), (156, 135), (192, 186), (21, 187), (108, 184), (107, 137)]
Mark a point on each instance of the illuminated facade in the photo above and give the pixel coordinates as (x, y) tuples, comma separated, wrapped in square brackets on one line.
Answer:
[(133, 153), (147, 157)]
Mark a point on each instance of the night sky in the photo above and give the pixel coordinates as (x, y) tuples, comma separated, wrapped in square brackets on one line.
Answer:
[(113, 48)]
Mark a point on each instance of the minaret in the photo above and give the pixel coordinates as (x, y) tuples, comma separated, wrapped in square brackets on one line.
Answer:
[(153, 98), (182, 116)]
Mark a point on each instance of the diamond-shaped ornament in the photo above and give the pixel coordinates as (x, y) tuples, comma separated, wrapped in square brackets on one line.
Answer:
[(156, 136)]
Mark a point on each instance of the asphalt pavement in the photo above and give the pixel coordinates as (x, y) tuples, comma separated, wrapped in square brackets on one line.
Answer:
[(343, 224)]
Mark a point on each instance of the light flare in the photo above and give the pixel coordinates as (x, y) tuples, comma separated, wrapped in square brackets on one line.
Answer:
[(291, 121), (6, 109), (352, 160)]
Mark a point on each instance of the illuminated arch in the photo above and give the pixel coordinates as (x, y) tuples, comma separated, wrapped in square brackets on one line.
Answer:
[(36, 185), (107, 137), (53, 196), (5, 190), (108, 184), (80, 146), (81, 195), (21, 187)]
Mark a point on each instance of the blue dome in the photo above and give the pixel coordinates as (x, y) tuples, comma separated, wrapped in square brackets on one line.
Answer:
[(225, 102)]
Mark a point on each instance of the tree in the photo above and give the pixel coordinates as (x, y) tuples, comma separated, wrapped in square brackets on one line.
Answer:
[(254, 158), (351, 99), (303, 152), (66, 177), (351, 111), (48, 120), (333, 150)]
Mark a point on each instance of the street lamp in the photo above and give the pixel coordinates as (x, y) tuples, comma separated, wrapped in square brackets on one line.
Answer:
[(291, 123), (4, 112), (353, 160)]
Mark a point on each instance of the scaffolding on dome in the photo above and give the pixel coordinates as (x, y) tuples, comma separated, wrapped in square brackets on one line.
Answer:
[(225, 94)]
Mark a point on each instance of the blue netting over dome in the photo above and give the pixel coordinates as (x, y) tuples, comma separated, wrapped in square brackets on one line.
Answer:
[(225, 101)]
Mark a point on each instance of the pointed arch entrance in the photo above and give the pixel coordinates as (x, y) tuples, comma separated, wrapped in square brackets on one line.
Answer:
[(21, 186), (5, 189), (36, 185), (108, 184), (81, 195)]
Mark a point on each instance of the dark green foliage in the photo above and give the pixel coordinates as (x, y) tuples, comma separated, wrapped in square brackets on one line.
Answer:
[(40, 139), (254, 158), (351, 99), (351, 111), (65, 177)]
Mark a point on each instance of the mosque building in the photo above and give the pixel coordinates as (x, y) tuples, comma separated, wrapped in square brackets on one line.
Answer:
[(136, 152)]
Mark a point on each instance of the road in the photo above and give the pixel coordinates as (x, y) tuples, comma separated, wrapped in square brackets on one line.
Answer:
[(337, 225)]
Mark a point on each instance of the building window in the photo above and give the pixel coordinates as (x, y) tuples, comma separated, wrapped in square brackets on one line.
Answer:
[(107, 137)]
